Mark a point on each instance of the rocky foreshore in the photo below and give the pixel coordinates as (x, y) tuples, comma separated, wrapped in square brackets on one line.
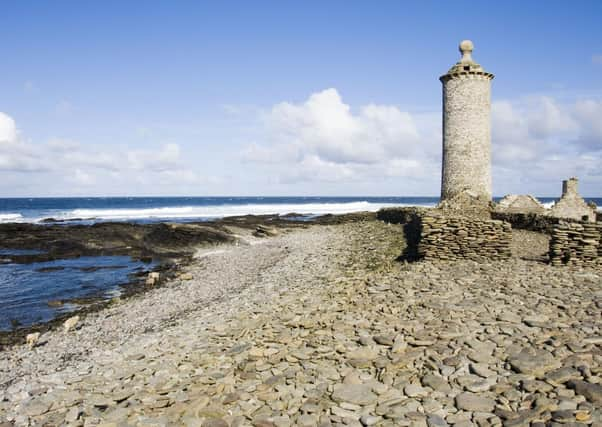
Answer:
[(163, 247), (322, 326)]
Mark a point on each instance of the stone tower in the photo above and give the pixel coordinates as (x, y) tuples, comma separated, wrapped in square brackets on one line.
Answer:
[(466, 130)]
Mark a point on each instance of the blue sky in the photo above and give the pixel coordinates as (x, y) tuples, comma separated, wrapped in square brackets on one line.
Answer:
[(288, 98)]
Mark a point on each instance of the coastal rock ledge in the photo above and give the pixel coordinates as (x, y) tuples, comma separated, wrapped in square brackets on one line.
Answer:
[(322, 326)]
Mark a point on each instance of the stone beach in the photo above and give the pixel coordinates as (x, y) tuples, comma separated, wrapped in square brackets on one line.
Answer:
[(322, 326)]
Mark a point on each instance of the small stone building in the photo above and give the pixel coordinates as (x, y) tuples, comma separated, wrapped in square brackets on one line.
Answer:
[(523, 203), (571, 205)]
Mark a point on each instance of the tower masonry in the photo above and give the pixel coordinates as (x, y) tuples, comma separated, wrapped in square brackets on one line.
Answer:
[(466, 168)]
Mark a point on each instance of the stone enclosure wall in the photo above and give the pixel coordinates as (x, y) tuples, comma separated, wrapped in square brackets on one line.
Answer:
[(451, 238), (435, 234), (577, 244), (528, 221)]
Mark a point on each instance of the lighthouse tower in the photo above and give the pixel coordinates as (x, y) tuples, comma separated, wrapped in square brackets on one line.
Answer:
[(466, 130)]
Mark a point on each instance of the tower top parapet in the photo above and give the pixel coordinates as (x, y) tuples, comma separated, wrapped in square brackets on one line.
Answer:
[(466, 66)]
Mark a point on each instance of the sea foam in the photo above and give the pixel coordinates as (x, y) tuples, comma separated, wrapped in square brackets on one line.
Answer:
[(10, 217), (224, 211)]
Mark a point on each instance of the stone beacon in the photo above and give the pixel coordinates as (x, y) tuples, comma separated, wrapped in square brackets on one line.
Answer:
[(466, 169)]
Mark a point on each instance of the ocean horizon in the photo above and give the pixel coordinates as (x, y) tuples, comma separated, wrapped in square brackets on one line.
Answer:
[(184, 209)]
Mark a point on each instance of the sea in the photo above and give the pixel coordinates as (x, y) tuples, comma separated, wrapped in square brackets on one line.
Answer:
[(182, 209), (33, 293)]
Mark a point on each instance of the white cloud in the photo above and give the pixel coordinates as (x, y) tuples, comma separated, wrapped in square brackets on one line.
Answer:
[(81, 177), (8, 129), (324, 126), (313, 168), (589, 114), (79, 169), (537, 141), (91, 159), (60, 144), (322, 145), (323, 140), (547, 119), (163, 160), (543, 126), (15, 155)]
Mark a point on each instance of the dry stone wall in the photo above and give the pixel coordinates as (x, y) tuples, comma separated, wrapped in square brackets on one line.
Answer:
[(576, 244), (528, 221), (454, 237)]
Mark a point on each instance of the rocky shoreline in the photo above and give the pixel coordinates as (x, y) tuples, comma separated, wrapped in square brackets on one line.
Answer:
[(322, 326), (169, 246)]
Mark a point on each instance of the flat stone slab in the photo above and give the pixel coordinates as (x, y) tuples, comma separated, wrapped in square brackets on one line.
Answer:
[(474, 402), (359, 394), (534, 362), (592, 392)]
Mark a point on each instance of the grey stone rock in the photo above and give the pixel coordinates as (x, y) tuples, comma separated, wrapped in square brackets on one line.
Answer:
[(534, 362), (474, 402), (36, 407), (481, 370), (436, 421), (369, 420), (592, 392), (562, 375), (307, 420), (436, 382), (358, 394), (415, 390)]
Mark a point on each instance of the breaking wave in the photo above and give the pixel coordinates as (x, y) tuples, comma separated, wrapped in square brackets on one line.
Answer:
[(11, 217), (224, 211)]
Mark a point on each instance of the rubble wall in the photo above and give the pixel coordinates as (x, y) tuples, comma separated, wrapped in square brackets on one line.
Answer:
[(528, 221), (454, 237), (576, 244), (401, 215)]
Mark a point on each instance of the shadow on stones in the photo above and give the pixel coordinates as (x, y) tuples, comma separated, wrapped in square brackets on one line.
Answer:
[(410, 219), (412, 231)]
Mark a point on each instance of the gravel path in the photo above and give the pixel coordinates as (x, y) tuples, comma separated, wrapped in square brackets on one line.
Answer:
[(322, 327)]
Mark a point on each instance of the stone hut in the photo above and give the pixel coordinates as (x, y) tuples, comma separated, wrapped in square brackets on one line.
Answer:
[(571, 205), (523, 203), (466, 168)]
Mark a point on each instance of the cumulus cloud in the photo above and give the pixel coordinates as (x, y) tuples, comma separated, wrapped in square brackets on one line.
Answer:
[(322, 139), (325, 126), (15, 155), (539, 141), (547, 119), (8, 129), (589, 114), (64, 162), (62, 145), (165, 159), (371, 149)]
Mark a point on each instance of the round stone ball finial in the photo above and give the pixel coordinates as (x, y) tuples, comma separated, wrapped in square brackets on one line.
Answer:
[(466, 48)]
